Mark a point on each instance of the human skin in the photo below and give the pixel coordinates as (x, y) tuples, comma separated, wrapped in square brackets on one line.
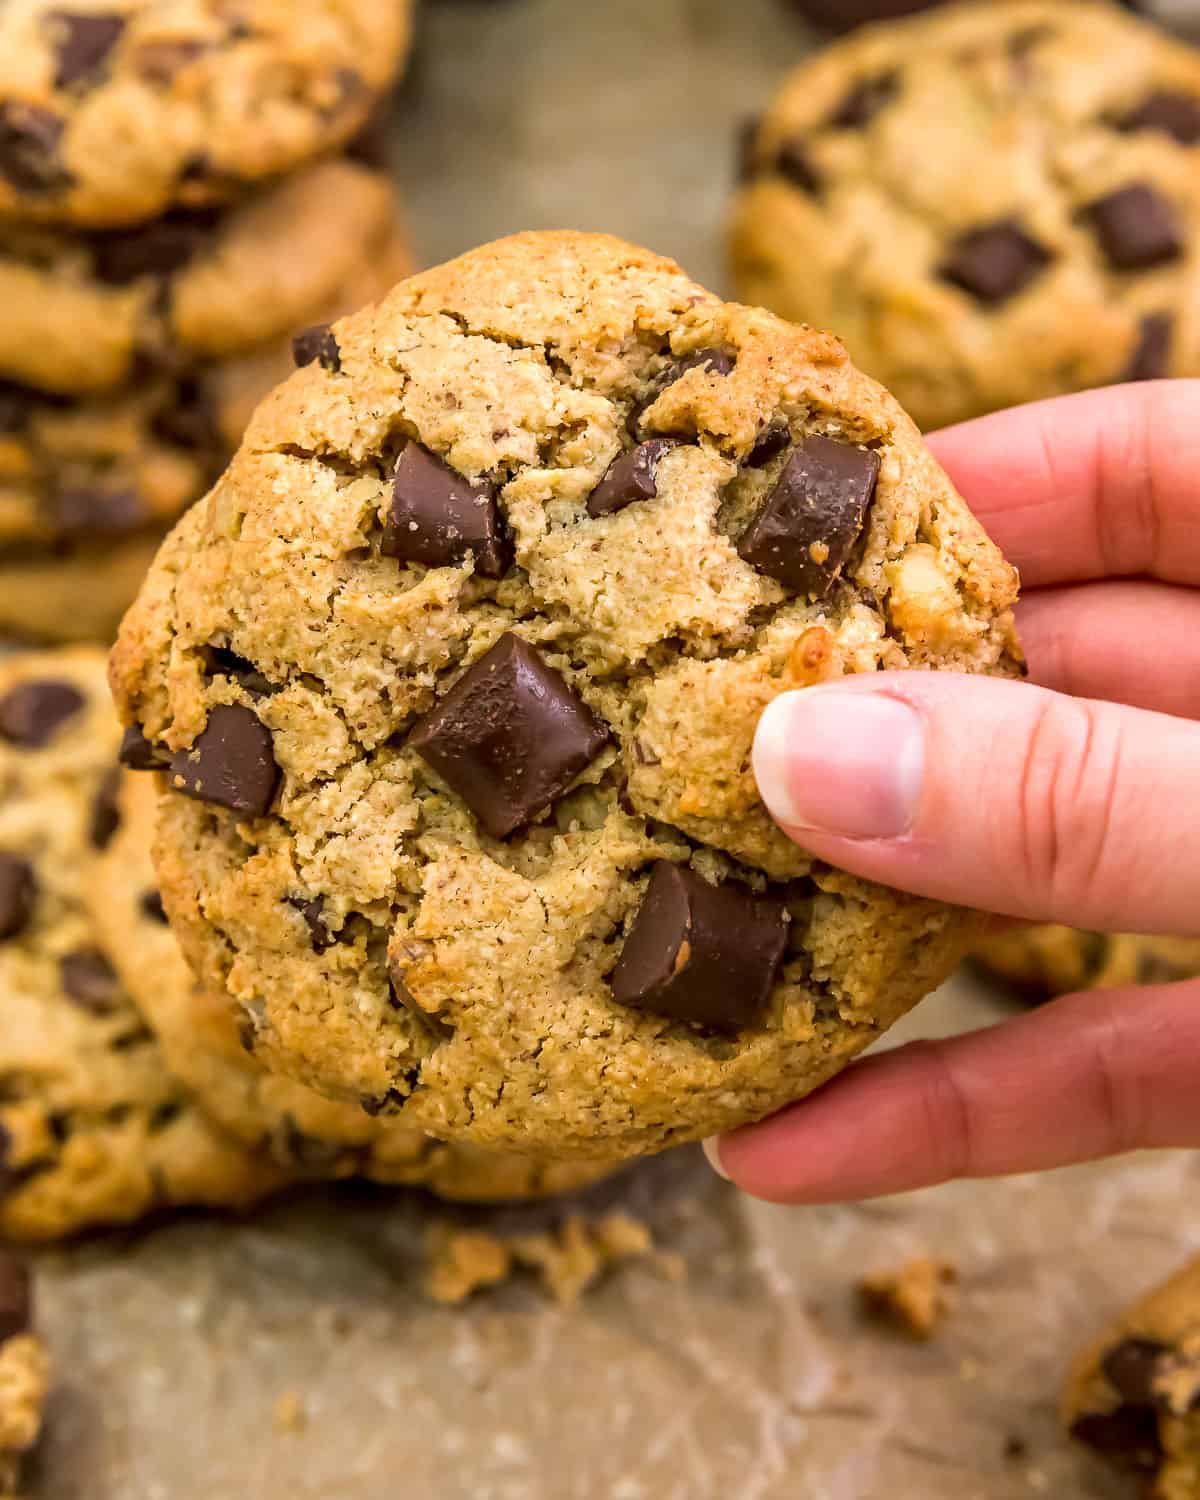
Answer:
[(1070, 798)]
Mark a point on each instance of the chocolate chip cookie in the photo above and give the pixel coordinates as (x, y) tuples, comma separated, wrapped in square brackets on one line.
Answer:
[(88, 313), (989, 203), (1134, 1398), (88, 485), (1041, 962), (301, 1131), (93, 1130), (114, 113), (24, 1372), (451, 681)]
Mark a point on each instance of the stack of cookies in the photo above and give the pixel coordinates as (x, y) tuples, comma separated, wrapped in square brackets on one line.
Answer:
[(172, 211)]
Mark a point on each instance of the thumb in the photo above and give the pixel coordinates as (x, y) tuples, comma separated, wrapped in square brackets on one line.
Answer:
[(993, 794)]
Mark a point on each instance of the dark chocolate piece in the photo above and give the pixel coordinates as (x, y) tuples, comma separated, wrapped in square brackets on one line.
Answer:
[(1130, 1368), (32, 712), (994, 262), (770, 443), (792, 163), (746, 148), (803, 534), (510, 736), (1151, 358), (80, 512), (16, 1298), (631, 477), (1137, 227), (30, 138), (317, 343), (87, 978), (438, 516), (699, 952), (1174, 114), (864, 99), (151, 904), (1127, 1437), (231, 764), (105, 813), (220, 661), (18, 894), (16, 406), (312, 909), (83, 41), (122, 256), (140, 754)]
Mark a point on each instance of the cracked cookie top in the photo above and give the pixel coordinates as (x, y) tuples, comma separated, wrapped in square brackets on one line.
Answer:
[(990, 204), (114, 111), (451, 681)]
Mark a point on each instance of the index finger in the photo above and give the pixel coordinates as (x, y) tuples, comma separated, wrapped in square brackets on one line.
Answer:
[(1105, 484)]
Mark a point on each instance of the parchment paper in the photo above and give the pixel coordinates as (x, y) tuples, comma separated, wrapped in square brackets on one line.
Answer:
[(756, 1379)]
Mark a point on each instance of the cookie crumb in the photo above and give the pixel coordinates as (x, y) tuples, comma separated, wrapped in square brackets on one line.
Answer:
[(290, 1415), (568, 1259), (24, 1381), (914, 1298)]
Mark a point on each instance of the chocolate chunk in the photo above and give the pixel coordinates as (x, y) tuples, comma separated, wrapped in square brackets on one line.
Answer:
[(1152, 356), (510, 736), (105, 813), (438, 516), (122, 256), (803, 534), (700, 952), (18, 893), (81, 512), (317, 343), (189, 420), (1127, 1437), (232, 763), (32, 712), (16, 1298), (746, 157), (151, 904), (770, 443), (312, 909), (1176, 115), (140, 754), (30, 138), (87, 978), (1130, 1368), (82, 44), (161, 62), (1137, 227), (714, 361), (293, 1148), (16, 407), (863, 101), (792, 163), (220, 661), (994, 262), (633, 476)]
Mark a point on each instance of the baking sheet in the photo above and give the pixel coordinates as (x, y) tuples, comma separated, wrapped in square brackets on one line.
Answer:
[(756, 1378)]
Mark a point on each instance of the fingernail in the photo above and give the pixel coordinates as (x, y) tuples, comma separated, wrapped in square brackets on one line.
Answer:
[(712, 1149), (844, 762)]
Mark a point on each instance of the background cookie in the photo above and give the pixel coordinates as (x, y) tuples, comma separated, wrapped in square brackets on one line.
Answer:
[(635, 513), (93, 1130), (299, 1129), (1134, 1397), (86, 313), (115, 113), (990, 203), (1047, 961), (88, 485), (24, 1372)]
